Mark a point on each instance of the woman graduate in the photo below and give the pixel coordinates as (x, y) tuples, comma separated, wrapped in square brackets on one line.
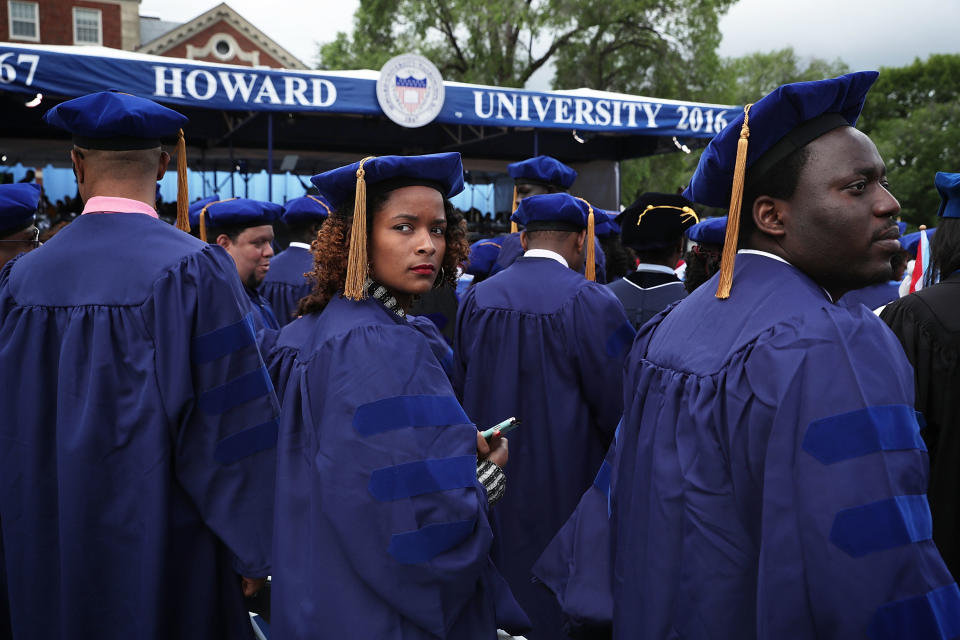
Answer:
[(381, 522)]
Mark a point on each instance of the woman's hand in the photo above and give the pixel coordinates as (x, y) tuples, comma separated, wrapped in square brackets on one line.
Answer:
[(494, 450)]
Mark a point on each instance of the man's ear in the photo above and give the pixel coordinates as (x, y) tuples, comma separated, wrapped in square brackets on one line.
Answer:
[(224, 241), (523, 240), (162, 164), (78, 166), (581, 240), (768, 215)]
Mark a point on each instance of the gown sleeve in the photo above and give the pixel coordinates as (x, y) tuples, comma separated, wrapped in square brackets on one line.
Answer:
[(846, 528), (602, 339), (397, 473), (217, 393)]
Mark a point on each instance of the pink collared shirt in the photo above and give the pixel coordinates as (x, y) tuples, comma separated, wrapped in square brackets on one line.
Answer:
[(105, 204)]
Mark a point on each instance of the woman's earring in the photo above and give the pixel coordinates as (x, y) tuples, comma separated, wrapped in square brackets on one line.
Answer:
[(439, 281)]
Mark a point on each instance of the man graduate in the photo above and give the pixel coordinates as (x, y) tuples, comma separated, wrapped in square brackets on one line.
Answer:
[(286, 283), (244, 228), (653, 227), (769, 475), (18, 206), (927, 323), (535, 177), (540, 342), (139, 430)]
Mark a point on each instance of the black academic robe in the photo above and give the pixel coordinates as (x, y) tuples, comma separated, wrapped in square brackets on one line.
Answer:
[(928, 325)]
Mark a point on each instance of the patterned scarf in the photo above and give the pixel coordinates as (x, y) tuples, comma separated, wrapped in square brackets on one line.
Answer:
[(380, 292)]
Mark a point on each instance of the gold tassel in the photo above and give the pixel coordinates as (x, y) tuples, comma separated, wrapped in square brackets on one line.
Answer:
[(203, 218), (733, 216), (513, 209), (357, 264), (183, 196), (590, 269)]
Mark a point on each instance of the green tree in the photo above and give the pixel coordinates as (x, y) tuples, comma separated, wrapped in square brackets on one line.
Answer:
[(504, 42), (913, 115)]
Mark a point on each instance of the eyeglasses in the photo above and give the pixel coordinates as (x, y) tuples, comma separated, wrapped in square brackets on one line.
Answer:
[(33, 242)]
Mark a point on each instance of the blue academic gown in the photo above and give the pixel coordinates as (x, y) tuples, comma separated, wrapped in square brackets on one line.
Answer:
[(263, 315), (770, 483), (540, 342), (285, 283), (381, 528), (872, 297), (137, 466), (511, 250)]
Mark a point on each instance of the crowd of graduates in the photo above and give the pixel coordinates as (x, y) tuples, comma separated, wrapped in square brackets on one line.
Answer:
[(602, 424)]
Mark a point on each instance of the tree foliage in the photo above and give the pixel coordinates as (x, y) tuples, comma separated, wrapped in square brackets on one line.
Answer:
[(913, 115), (625, 45)]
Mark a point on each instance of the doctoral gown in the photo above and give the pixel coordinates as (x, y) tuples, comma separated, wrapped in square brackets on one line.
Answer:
[(381, 528), (872, 297), (285, 283), (927, 323), (263, 316), (137, 465), (511, 250), (540, 342), (769, 475), (644, 294)]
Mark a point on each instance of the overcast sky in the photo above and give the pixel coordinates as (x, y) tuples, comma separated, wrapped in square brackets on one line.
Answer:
[(866, 34)]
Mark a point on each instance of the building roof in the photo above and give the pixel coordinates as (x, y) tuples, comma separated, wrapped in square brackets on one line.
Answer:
[(166, 41), (152, 28)]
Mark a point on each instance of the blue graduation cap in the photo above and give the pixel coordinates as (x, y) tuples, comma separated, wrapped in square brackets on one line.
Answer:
[(306, 209), (542, 170), (787, 119), (238, 212), (441, 171), (902, 226), (608, 227), (709, 231), (656, 220), (483, 255), (948, 186), (562, 212), (115, 121), (195, 207), (18, 204)]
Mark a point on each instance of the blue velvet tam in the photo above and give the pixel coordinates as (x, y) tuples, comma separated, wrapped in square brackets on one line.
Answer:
[(709, 231), (483, 255), (241, 212), (542, 170), (306, 209), (902, 226), (442, 171), (787, 119), (608, 227), (18, 204), (948, 186), (656, 221), (115, 121), (556, 211), (910, 241), (195, 207)]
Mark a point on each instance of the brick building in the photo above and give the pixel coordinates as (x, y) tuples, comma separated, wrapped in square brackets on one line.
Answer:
[(217, 35)]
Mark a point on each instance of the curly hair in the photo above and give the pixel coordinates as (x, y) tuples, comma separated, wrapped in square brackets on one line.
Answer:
[(331, 248)]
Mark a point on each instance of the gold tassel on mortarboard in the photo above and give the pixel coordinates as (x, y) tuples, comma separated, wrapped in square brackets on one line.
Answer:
[(513, 208), (183, 196), (202, 221), (357, 264), (733, 217), (590, 270)]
